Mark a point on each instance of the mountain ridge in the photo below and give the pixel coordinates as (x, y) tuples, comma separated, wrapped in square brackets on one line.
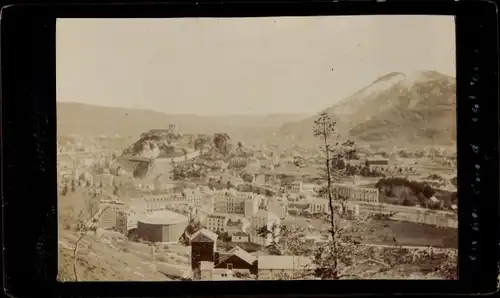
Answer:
[(419, 107), (81, 118)]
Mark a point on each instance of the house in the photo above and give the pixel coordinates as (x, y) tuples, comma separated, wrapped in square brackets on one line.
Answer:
[(193, 196), (377, 160), (206, 269), (319, 206), (239, 237), (377, 163), (203, 246), (208, 272), (238, 162), (273, 267), (237, 226), (208, 264), (236, 258), (109, 213), (296, 186)]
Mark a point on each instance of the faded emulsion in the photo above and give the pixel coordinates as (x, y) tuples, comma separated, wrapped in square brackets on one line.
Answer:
[(256, 149), (251, 149)]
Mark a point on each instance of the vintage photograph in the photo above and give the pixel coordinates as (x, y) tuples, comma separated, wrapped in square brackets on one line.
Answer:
[(276, 148)]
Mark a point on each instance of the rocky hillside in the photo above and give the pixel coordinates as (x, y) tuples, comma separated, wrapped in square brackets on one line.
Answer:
[(415, 108), (156, 145)]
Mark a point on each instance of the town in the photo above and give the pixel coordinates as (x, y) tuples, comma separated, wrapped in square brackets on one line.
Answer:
[(259, 148), (180, 206)]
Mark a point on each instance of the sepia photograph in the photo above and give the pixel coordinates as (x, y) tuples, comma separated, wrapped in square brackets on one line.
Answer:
[(263, 148)]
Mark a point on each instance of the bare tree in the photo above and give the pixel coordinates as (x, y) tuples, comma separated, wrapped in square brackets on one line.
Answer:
[(85, 228), (343, 253), (334, 150)]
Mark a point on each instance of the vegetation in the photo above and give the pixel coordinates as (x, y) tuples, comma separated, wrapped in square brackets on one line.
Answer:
[(192, 227), (408, 193), (344, 256), (221, 143)]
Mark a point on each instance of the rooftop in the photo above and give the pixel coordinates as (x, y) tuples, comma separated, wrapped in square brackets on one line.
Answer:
[(284, 262), (319, 201), (245, 256), (163, 217), (204, 235)]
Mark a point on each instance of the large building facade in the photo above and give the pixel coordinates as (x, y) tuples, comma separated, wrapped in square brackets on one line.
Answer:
[(161, 226), (234, 202), (355, 193)]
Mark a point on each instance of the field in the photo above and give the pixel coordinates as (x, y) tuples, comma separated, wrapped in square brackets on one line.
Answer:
[(385, 231)]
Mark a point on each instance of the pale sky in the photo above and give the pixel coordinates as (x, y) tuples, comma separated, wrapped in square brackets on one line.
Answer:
[(242, 66)]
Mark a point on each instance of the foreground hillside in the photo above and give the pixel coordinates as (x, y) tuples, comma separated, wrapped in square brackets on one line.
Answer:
[(97, 261), (408, 108)]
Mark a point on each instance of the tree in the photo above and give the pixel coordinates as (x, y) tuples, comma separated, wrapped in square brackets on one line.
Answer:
[(324, 129), (221, 142), (342, 253), (84, 229)]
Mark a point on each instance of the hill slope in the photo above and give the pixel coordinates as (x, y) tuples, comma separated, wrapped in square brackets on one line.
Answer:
[(417, 108)]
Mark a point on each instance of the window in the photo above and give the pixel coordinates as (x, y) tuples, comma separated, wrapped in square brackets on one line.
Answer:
[(230, 266)]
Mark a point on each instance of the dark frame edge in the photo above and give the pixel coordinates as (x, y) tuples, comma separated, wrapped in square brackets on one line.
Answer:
[(39, 148)]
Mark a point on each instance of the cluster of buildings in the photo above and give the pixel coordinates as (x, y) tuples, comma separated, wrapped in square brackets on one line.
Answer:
[(223, 206), (208, 263)]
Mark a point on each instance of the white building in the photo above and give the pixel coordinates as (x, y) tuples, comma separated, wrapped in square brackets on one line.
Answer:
[(319, 206), (296, 186), (216, 222), (240, 237), (278, 207), (353, 192), (160, 202), (208, 272), (231, 201), (251, 207), (172, 128), (193, 196)]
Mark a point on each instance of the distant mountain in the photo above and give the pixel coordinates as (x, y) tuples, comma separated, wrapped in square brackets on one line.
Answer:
[(78, 118), (415, 108)]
